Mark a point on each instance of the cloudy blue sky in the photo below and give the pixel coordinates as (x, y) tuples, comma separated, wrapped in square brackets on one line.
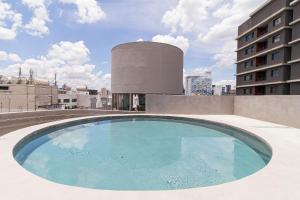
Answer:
[(73, 38)]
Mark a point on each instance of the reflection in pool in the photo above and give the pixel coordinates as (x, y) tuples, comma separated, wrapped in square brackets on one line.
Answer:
[(141, 154)]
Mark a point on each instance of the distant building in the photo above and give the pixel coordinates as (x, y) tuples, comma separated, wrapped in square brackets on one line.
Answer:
[(220, 90), (198, 84), (86, 98), (22, 94), (104, 92), (104, 100), (67, 98)]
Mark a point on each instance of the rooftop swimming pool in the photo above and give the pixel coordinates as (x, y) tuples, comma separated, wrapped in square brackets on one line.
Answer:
[(142, 153)]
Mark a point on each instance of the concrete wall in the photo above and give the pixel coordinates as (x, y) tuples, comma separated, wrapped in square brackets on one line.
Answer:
[(201, 105), (147, 68), (23, 97), (278, 109)]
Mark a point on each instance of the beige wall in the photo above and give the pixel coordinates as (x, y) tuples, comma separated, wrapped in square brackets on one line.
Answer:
[(201, 105), (278, 109), (22, 97), (147, 68)]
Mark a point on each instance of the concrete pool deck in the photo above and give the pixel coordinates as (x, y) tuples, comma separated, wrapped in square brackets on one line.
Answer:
[(279, 180)]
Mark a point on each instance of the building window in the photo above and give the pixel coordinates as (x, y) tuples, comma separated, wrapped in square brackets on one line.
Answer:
[(277, 21), (74, 100), (59, 101), (249, 50), (4, 87), (66, 100), (276, 56), (276, 39), (249, 37), (273, 90), (248, 77), (248, 64), (275, 73)]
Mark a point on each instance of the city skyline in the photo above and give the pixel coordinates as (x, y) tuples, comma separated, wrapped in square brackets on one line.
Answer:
[(74, 39)]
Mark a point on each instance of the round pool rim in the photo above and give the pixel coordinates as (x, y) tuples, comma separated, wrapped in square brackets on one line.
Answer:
[(18, 183), (252, 141)]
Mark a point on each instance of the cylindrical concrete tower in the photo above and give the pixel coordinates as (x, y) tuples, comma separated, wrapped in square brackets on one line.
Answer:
[(141, 68)]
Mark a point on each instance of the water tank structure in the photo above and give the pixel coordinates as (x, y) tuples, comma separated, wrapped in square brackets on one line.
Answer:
[(141, 68)]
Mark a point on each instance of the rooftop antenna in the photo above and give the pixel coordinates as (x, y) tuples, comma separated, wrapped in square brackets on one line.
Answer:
[(20, 75), (31, 76), (55, 79), (20, 72)]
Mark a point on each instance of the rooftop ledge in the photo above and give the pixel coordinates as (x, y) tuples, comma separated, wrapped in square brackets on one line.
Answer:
[(294, 2), (260, 7), (264, 21)]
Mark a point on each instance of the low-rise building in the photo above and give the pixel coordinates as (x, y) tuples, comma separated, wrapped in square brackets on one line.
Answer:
[(104, 99), (24, 95), (67, 98), (86, 98), (220, 90)]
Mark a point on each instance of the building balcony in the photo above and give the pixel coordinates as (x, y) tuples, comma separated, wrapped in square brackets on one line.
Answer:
[(260, 76), (261, 46), (261, 31), (261, 61), (260, 90)]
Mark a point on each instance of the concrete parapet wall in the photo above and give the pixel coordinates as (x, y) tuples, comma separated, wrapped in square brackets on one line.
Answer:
[(278, 109), (283, 110), (201, 105)]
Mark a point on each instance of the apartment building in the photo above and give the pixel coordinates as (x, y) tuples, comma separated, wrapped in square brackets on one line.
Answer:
[(295, 43), (268, 54)]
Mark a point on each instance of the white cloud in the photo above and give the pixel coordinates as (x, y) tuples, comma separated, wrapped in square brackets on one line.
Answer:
[(71, 63), (71, 53), (201, 70), (88, 11), (10, 21), (179, 41), (188, 15), (12, 57), (214, 23), (140, 40), (38, 23)]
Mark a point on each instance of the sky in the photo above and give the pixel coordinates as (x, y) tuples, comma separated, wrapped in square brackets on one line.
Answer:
[(74, 38)]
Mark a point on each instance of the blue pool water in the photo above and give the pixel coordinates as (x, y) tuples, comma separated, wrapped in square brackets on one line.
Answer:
[(139, 154)]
